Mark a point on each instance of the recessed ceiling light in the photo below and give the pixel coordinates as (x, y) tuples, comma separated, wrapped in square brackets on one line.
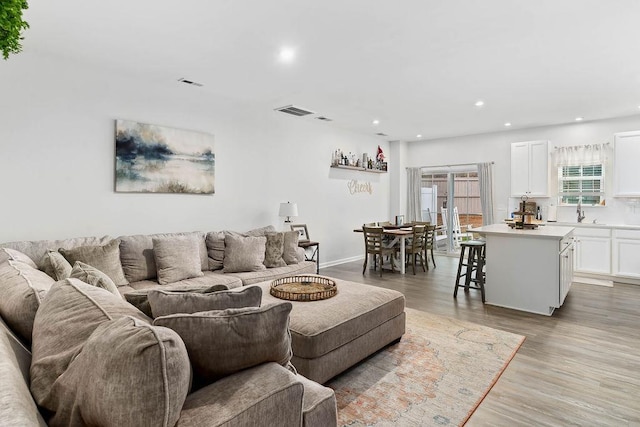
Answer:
[(479, 103), (287, 54), (376, 122), (507, 124), (579, 119), (418, 136)]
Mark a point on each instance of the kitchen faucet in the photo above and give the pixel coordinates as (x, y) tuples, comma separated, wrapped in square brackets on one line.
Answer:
[(580, 212)]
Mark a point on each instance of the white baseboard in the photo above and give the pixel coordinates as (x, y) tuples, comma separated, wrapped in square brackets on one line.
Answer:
[(592, 281), (341, 261)]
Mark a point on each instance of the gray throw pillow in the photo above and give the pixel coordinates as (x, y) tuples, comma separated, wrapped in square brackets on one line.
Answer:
[(56, 266), (243, 253), (129, 373), (23, 290), (64, 321), (215, 249), (177, 258), (223, 342), (105, 258), (273, 250), (164, 303), (290, 247), (93, 277)]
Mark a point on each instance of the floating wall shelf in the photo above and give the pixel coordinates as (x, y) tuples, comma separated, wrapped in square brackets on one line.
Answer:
[(360, 169)]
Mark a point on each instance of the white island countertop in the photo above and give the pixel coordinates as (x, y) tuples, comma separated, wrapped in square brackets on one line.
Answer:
[(544, 232)]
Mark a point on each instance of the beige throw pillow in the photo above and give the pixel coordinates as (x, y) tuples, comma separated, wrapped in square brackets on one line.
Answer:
[(273, 250), (15, 255), (243, 253), (223, 342), (215, 249), (56, 266), (164, 303), (290, 247), (129, 373), (177, 258), (105, 258), (93, 277)]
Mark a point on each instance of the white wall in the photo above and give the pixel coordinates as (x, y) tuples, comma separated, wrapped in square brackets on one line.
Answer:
[(57, 161), (496, 147)]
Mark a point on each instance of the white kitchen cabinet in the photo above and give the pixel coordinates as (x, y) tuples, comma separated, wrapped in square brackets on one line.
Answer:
[(625, 164), (592, 250), (626, 253), (530, 169)]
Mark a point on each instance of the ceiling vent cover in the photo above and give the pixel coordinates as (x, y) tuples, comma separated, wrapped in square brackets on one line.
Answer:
[(295, 111), (381, 134), (324, 119), (190, 82)]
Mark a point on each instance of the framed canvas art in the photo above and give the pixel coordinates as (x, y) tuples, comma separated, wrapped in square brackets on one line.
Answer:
[(159, 159)]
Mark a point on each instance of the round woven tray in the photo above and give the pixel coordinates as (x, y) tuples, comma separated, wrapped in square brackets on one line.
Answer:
[(303, 288)]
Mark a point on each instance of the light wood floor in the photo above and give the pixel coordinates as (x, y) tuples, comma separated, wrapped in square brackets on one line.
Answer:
[(580, 366)]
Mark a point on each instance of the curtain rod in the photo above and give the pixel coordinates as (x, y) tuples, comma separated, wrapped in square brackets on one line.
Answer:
[(451, 165)]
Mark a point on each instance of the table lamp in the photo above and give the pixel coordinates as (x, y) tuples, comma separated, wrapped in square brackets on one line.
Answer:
[(288, 210)]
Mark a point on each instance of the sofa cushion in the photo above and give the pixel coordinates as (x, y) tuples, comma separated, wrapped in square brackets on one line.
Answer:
[(223, 342), (290, 247), (128, 373), (177, 258), (243, 253), (15, 255), (260, 232), (319, 407), (56, 266), (22, 289), (63, 323), (274, 248), (249, 278), (164, 302), (138, 260), (215, 249), (105, 258), (93, 277)]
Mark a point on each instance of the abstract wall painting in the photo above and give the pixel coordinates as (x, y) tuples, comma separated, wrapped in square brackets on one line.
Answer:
[(159, 159)]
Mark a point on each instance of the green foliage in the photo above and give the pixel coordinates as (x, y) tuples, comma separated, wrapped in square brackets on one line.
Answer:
[(11, 25)]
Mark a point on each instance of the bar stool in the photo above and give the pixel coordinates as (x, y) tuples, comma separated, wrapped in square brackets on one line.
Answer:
[(474, 263)]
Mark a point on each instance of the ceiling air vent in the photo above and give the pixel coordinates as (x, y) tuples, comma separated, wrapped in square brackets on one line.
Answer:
[(190, 82), (295, 111), (381, 134), (324, 119)]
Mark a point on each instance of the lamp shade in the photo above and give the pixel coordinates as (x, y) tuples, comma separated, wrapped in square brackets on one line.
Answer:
[(288, 209)]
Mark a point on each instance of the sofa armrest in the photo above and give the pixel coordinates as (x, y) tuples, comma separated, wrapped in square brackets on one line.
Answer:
[(265, 395)]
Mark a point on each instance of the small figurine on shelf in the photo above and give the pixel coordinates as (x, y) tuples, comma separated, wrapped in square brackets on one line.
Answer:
[(379, 158)]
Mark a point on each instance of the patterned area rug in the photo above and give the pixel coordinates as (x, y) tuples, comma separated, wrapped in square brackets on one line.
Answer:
[(436, 376)]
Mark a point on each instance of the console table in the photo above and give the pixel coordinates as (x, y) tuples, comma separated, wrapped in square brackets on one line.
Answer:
[(315, 255)]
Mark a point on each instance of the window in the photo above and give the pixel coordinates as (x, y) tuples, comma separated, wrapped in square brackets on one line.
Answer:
[(581, 183)]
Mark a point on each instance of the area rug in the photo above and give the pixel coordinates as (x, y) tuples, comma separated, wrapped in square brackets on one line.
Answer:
[(437, 375)]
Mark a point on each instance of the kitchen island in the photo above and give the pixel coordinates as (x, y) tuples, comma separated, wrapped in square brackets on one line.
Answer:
[(528, 270)]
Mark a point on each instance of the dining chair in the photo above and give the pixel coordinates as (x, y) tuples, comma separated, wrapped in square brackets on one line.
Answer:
[(373, 244), (429, 244), (416, 247)]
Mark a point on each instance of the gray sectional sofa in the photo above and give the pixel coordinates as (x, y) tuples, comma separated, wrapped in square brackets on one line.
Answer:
[(87, 357)]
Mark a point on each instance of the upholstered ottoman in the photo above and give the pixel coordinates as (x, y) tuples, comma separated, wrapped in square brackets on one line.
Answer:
[(331, 335)]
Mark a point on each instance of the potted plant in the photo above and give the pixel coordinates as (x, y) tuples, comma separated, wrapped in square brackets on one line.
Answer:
[(11, 26)]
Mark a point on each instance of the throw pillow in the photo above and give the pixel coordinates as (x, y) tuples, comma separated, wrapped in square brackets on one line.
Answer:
[(243, 253), (290, 247), (260, 232), (273, 250), (164, 303), (64, 321), (128, 373), (140, 297), (23, 290), (56, 266), (93, 277), (177, 258), (14, 255), (215, 249), (105, 258), (223, 342)]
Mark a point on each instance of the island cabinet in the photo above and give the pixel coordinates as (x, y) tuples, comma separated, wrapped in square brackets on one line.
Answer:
[(528, 270), (593, 250), (530, 169), (626, 253)]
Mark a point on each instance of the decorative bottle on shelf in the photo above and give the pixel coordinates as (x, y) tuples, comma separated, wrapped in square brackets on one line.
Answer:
[(538, 214)]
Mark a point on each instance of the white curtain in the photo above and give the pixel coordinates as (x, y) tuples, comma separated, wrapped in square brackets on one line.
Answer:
[(414, 204), (575, 155), (485, 180)]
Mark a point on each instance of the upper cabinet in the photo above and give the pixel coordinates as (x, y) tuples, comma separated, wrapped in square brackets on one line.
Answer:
[(625, 164), (530, 169)]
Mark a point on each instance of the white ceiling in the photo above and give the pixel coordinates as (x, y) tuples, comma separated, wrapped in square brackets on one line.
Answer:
[(418, 66)]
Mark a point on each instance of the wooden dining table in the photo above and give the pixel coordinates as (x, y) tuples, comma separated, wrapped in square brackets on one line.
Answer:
[(399, 234)]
